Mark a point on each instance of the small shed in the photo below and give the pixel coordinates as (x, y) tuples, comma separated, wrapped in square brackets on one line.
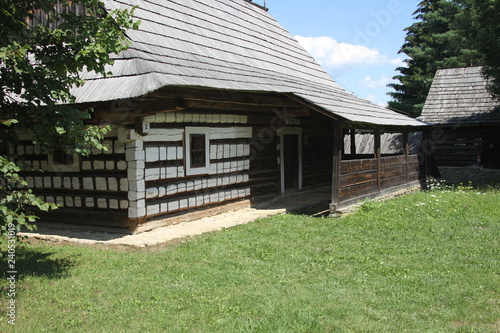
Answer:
[(215, 106), (463, 139)]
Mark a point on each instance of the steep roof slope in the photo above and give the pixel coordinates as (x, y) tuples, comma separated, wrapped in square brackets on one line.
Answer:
[(457, 96), (222, 44)]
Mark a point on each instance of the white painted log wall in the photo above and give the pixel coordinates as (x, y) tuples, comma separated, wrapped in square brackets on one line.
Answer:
[(209, 188), (131, 145), (100, 184)]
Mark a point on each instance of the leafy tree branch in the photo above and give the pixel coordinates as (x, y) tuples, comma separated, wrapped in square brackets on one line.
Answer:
[(44, 46)]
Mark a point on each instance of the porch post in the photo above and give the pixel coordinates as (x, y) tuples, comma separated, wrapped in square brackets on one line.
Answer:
[(406, 147), (378, 157), (338, 143), (353, 141)]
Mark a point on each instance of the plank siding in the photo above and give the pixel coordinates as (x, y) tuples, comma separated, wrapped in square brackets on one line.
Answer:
[(317, 161), (358, 178), (452, 147), (358, 165), (366, 176), (358, 190)]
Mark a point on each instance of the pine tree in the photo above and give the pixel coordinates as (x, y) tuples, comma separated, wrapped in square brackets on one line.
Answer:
[(435, 41), (484, 18)]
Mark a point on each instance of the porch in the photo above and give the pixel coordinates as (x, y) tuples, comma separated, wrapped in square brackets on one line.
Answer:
[(392, 165)]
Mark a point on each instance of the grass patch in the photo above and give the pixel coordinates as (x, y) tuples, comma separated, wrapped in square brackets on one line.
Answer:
[(426, 262)]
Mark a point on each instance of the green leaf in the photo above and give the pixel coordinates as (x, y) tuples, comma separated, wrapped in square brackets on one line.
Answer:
[(9, 122)]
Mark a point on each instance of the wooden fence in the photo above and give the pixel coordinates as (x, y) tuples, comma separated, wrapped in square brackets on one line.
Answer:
[(366, 176)]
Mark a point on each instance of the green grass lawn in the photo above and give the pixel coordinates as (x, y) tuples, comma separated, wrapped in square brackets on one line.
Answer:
[(426, 262)]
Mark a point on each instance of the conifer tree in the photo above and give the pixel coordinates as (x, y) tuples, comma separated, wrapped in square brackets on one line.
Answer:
[(484, 19), (435, 41)]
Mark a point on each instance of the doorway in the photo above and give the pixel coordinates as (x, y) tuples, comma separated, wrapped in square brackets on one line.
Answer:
[(291, 159)]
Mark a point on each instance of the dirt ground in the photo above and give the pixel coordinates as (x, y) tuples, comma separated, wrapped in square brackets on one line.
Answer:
[(316, 200)]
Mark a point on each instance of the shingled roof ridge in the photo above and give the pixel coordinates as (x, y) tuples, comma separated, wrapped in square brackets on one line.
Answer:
[(459, 95)]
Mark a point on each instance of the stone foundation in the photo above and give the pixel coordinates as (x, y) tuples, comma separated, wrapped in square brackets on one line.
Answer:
[(472, 173)]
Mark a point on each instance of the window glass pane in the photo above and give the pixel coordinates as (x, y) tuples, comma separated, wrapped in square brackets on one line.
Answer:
[(197, 150), (61, 158)]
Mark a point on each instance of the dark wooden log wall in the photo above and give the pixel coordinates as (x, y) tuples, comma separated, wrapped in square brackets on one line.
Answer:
[(317, 151), (317, 148), (461, 145), (40, 17), (364, 176), (264, 171)]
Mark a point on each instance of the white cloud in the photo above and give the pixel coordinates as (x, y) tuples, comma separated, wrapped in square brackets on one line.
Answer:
[(371, 98), (340, 57), (398, 62), (371, 83)]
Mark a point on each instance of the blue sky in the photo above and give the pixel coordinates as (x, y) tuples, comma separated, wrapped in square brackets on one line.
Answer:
[(356, 41)]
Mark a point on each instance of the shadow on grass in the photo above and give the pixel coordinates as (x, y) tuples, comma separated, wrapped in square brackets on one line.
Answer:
[(486, 186), (37, 262), (442, 183), (318, 211)]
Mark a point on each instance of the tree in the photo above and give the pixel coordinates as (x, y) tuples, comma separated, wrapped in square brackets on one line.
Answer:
[(44, 46), (435, 41), (484, 29)]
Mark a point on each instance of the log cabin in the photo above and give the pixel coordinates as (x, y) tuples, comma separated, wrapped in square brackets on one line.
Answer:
[(463, 138), (215, 106)]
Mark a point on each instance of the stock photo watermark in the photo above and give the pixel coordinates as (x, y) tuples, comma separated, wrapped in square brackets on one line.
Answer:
[(268, 134), (11, 273)]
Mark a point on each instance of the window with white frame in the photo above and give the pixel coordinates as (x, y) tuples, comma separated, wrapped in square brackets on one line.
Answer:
[(62, 162), (197, 148)]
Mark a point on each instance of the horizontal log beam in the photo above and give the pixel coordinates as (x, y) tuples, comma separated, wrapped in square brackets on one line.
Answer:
[(358, 165), (228, 96), (356, 191)]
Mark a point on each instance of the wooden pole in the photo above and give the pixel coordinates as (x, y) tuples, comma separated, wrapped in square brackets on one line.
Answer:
[(338, 143), (406, 147), (353, 141), (378, 157)]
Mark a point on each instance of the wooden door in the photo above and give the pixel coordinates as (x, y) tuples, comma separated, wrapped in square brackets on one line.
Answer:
[(291, 161)]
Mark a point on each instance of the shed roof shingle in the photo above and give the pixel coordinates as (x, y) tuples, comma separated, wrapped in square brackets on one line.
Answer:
[(459, 96), (222, 44)]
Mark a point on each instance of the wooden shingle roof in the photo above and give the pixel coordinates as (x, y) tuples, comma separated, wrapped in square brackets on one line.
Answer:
[(222, 44), (459, 96)]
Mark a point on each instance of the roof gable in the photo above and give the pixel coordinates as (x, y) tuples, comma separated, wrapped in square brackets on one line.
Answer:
[(458, 96), (222, 44)]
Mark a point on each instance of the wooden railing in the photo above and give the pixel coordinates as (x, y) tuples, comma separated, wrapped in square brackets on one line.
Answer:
[(366, 176)]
